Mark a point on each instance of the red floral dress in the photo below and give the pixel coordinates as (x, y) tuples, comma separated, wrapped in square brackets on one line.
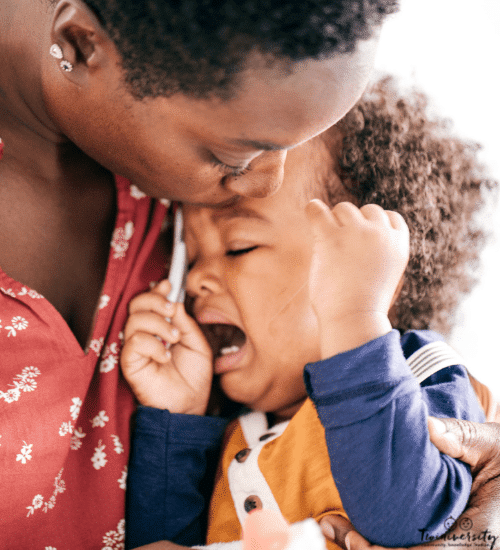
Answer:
[(65, 412)]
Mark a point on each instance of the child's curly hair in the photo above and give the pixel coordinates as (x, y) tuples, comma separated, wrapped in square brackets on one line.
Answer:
[(396, 156)]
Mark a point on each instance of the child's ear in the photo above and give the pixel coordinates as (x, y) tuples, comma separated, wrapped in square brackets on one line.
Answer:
[(393, 312)]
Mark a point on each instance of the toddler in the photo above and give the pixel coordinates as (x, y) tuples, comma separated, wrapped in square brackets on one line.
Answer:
[(284, 282)]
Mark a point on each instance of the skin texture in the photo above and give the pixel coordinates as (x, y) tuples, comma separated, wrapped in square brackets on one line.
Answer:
[(65, 133), (295, 293), (264, 293)]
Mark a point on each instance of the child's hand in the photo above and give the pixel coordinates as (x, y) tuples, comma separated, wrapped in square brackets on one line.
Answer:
[(359, 258), (179, 378)]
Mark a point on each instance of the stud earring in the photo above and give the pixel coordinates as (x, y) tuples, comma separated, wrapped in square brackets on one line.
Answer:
[(66, 65), (57, 53)]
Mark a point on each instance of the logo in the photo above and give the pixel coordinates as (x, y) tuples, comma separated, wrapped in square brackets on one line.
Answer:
[(466, 524), (460, 533), (449, 523)]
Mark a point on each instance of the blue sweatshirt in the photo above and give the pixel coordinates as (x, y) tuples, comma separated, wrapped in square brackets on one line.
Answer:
[(396, 487)]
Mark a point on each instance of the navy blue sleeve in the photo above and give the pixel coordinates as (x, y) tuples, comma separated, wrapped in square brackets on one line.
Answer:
[(170, 476), (396, 487)]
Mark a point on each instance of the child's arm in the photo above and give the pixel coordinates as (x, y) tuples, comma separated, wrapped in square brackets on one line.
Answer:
[(171, 472), (359, 259), (395, 486), (173, 456)]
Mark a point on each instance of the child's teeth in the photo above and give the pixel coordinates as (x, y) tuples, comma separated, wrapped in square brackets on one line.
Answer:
[(227, 351)]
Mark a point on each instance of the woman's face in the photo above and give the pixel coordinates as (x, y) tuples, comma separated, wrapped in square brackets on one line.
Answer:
[(207, 151)]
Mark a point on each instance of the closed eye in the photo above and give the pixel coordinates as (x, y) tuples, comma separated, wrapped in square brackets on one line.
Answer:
[(241, 251), (227, 170)]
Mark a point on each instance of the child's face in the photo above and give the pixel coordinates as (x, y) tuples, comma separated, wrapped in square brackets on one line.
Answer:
[(250, 268)]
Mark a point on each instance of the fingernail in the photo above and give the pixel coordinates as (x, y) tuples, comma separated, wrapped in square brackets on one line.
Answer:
[(438, 425), (168, 355), (348, 541), (328, 530), (175, 333)]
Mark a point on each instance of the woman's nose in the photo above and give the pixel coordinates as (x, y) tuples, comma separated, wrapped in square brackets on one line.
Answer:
[(265, 177)]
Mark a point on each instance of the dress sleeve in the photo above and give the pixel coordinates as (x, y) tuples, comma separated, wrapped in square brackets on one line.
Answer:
[(170, 476), (396, 487)]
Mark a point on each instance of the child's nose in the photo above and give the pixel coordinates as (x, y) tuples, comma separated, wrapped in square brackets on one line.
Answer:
[(202, 279)]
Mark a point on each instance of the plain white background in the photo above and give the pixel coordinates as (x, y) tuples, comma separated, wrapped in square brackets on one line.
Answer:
[(451, 50)]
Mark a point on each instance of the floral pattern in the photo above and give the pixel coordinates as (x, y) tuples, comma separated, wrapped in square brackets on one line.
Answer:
[(17, 324), (96, 345), (118, 445), (103, 301), (76, 439), (136, 193), (23, 292), (120, 240), (8, 292), (25, 453), (99, 459), (39, 503), (75, 408), (122, 482), (23, 382), (57, 408), (66, 428), (110, 358), (100, 420), (115, 540), (29, 292)]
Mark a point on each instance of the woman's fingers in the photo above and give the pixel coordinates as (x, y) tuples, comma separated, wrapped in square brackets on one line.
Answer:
[(335, 528), (476, 444)]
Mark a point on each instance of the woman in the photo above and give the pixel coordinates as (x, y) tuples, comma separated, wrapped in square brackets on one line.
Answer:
[(190, 102)]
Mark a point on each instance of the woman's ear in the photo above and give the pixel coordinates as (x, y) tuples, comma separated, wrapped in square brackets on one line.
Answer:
[(78, 37)]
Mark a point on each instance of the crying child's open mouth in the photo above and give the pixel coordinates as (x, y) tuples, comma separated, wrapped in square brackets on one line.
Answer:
[(223, 339)]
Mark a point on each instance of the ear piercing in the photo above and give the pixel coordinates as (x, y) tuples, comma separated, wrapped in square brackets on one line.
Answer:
[(56, 51)]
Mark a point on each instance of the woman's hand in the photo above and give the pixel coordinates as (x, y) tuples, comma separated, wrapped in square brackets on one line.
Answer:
[(176, 376), (479, 525)]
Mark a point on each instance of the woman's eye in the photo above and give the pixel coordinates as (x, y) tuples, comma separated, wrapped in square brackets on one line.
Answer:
[(241, 251), (228, 170)]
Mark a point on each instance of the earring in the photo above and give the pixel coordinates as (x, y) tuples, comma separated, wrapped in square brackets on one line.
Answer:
[(66, 65), (56, 51)]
